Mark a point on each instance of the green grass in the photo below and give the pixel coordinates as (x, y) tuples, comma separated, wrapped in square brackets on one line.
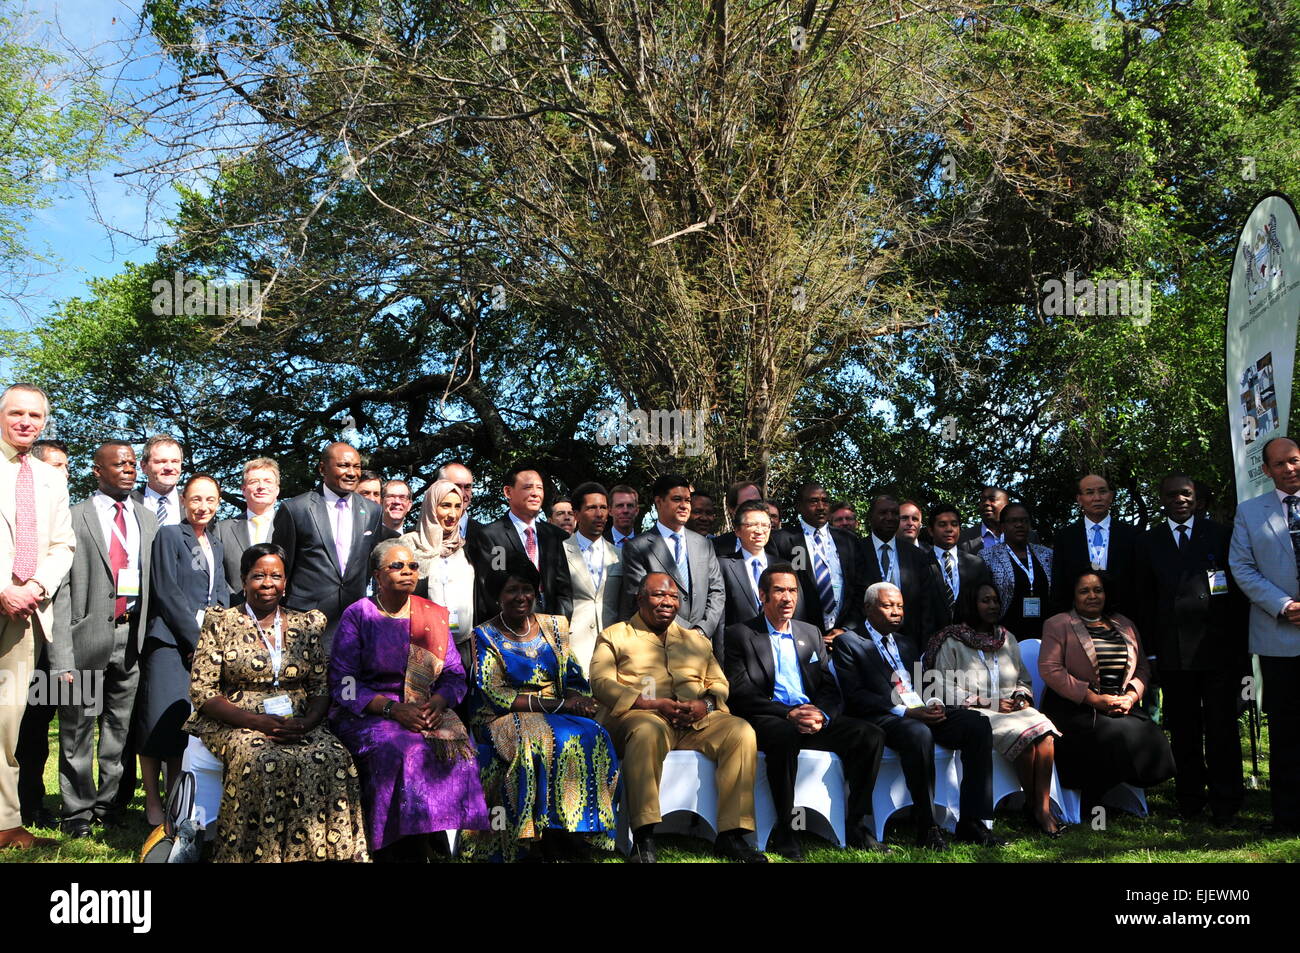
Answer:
[(1163, 837)]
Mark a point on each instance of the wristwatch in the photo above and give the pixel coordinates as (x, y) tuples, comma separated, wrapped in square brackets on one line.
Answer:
[(388, 708), (708, 704)]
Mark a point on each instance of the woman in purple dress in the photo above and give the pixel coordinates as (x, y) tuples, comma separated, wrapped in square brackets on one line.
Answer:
[(394, 677)]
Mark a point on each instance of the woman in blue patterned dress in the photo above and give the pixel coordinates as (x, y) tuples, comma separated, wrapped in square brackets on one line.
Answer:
[(548, 770)]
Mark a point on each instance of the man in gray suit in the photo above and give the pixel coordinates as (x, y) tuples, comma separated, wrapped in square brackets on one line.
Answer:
[(595, 572), (100, 619), (687, 557), (1264, 557), (327, 534), (261, 491)]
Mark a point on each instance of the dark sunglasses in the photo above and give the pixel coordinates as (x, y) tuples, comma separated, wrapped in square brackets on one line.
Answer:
[(413, 566)]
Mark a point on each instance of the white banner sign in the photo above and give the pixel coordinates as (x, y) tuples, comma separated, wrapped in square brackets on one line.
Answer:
[(1263, 307)]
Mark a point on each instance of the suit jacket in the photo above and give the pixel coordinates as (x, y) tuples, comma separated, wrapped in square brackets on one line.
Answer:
[(493, 542), (234, 540), (703, 602), (792, 546), (55, 541), (180, 585), (998, 559), (1068, 662), (1264, 565), (740, 605), (629, 658), (594, 607), (925, 604), (751, 669), (304, 530), (865, 675), (85, 606), (725, 545), (972, 570), (609, 533), (1070, 556)]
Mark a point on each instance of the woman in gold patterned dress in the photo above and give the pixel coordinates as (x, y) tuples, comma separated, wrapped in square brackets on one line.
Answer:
[(290, 791), (546, 766)]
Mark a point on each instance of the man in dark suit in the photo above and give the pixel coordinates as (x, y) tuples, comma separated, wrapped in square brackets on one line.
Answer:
[(1192, 618), (988, 531), (957, 570), (101, 615), (742, 568), (327, 534), (520, 532), (779, 682), (1098, 541), (878, 669), (162, 461), (261, 491), (624, 514), (888, 558), (741, 492), (687, 557), (828, 562)]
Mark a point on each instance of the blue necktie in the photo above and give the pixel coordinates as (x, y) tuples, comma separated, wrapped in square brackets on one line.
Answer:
[(822, 571), (162, 511), (886, 567), (757, 572), (679, 557)]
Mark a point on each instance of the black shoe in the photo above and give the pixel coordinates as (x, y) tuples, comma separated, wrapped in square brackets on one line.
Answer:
[(41, 817), (732, 846), (113, 819), (931, 838), (973, 832), (787, 847), (76, 827), (643, 847), (861, 837)]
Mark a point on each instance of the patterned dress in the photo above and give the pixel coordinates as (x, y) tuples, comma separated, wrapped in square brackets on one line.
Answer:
[(539, 771), (280, 803)]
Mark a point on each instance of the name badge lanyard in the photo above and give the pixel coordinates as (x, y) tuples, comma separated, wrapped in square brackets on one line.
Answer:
[(1027, 570), (112, 525), (896, 662), (995, 673), (276, 651)]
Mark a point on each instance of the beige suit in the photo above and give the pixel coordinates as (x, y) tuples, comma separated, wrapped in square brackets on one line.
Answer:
[(594, 607), (631, 662), (55, 543)]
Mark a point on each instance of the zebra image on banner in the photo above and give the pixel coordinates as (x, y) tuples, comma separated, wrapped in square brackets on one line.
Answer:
[(1263, 308)]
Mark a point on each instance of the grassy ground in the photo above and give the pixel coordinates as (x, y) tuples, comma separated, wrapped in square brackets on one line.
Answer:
[(1163, 837)]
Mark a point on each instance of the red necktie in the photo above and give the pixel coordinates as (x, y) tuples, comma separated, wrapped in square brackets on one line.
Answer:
[(25, 525), (117, 558), (530, 545)]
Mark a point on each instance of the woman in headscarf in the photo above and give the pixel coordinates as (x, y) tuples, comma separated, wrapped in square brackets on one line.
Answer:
[(446, 575), (979, 664)]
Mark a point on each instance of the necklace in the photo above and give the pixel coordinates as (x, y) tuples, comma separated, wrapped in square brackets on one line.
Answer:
[(401, 613), (519, 636)]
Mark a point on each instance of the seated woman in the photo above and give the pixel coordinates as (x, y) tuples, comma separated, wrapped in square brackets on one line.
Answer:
[(446, 575), (979, 663), (394, 677), (1096, 671), (186, 576), (541, 756), (290, 790)]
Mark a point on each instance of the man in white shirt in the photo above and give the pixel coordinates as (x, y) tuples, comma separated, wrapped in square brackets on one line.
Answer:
[(827, 560), (957, 570), (595, 571), (745, 564), (1096, 541), (161, 462), (395, 500), (624, 511)]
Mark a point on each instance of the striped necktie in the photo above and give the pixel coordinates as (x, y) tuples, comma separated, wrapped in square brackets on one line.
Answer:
[(822, 572), (1293, 526), (947, 579)]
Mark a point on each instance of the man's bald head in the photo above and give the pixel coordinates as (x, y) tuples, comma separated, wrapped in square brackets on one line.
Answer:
[(1282, 464)]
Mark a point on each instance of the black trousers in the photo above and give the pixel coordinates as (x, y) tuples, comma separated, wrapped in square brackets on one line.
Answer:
[(33, 748), (963, 730), (1282, 705), (1201, 716), (858, 743)]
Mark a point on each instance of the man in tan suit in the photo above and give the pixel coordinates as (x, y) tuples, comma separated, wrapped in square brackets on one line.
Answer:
[(661, 689), (36, 545), (595, 570)]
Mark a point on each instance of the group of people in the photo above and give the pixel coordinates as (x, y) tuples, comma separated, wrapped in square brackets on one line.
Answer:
[(364, 686)]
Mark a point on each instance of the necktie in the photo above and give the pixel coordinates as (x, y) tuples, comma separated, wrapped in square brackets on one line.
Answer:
[(1293, 525), (679, 557), (25, 522), (886, 567), (758, 571), (340, 544), (530, 545), (947, 579), (595, 565), (117, 557), (162, 511), (822, 572), (1182, 536), (1098, 547)]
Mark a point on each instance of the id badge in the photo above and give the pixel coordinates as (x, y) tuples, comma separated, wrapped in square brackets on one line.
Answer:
[(453, 620), (1218, 580), (278, 705), (1033, 607), (128, 582)]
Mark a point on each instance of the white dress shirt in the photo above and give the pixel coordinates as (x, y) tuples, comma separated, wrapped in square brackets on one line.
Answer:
[(831, 554), (520, 526), (1097, 557), (107, 511), (594, 557), (174, 511), (750, 559), (1173, 526), (260, 534), (954, 579), (892, 547)]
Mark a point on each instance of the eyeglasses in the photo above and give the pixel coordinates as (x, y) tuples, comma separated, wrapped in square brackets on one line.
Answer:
[(400, 497), (413, 566)]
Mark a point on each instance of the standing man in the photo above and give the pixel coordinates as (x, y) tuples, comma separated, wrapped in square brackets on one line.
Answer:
[(844, 516), (261, 491), (909, 524), (369, 486), (53, 452), (36, 548), (101, 614), (460, 475), (704, 514), (519, 531), (162, 469), (395, 501), (776, 667), (595, 571), (1264, 556), (625, 510), (1193, 620), (687, 557), (737, 493), (906, 566), (743, 567), (828, 562), (327, 534), (1095, 541), (957, 570), (561, 514)]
